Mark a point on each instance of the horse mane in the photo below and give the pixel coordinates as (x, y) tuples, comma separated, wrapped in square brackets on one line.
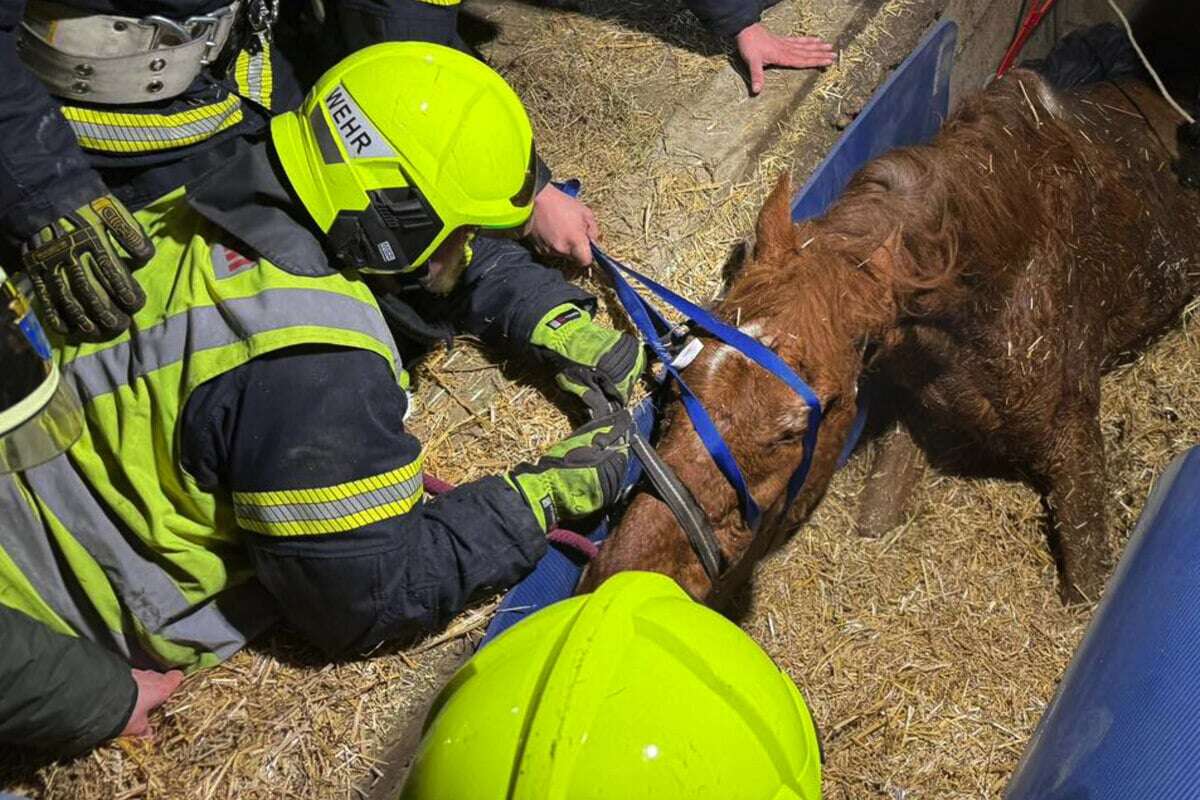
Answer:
[(977, 204)]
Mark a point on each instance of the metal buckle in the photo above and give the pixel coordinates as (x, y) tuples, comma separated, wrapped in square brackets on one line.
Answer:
[(207, 25), (169, 33), (166, 28), (261, 15)]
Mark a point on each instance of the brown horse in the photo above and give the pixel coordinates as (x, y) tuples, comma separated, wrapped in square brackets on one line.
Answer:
[(987, 277)]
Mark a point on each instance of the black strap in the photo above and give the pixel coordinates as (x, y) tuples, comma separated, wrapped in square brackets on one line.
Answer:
[(683, 505)]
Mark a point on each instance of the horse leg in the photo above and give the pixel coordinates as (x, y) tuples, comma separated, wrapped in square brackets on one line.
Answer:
[(1074, 477), (897, 467)]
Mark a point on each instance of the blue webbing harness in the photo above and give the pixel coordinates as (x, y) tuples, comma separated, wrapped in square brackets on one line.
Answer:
[(655, 328)]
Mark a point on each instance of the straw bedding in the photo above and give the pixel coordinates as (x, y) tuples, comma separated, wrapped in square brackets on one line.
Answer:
[(926, 656)]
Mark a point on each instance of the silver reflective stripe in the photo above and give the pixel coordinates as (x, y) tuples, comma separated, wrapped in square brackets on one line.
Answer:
[(25, 541), (142, 585), (93, 131), (206, 327), (331, 509), (255, 611), (254, 78), (360, 138)]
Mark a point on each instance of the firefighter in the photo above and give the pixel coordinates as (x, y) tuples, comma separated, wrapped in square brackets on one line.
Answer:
[(634, 691), (736, 20), (757, 46), (62, 694), (243, 456)]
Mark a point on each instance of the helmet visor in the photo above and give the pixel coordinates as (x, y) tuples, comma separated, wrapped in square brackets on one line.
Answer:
[(40, 414)]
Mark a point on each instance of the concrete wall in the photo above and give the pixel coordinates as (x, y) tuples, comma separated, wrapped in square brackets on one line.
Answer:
[(1071, 14), (986, 27), (985, 30)]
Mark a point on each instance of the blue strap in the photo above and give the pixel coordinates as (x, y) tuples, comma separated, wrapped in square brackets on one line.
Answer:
[(640, 312), (856, 432)]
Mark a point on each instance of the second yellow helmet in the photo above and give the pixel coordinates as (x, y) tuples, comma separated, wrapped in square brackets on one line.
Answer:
[(633, 692)]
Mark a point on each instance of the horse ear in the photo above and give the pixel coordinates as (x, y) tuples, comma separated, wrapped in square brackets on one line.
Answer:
[(885, 261), (774, 234), (877, 308)]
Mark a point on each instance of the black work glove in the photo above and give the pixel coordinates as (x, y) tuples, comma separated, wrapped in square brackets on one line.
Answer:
[(81, 277)]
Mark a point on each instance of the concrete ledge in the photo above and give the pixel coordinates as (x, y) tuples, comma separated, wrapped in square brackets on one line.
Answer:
[(723, 130)]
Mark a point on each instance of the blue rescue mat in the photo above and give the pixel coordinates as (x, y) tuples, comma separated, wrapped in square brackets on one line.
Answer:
[(908, 109), (1125, 723)]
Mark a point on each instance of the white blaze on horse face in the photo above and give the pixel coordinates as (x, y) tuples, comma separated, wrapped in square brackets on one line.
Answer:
[(751, 329)]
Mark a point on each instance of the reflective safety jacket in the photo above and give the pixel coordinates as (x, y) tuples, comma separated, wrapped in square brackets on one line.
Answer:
[(115, 540), (246, 454)]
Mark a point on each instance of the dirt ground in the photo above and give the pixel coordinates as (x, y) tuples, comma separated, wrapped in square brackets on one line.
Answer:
[(926, 657)]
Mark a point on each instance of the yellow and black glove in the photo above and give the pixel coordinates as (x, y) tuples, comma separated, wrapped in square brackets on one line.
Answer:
[(598, 365), (80, 268), (580, 475)]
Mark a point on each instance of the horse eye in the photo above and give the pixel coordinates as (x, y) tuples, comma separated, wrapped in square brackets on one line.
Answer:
[(790, 437), (792, 425)]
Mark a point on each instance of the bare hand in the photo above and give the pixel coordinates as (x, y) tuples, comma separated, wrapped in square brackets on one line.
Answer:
[(760, 49), (153, 689), (563, 226)]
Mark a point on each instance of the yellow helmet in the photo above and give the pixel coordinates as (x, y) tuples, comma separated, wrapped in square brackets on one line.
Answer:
[(40, 414), (401, 144), (634, 692)]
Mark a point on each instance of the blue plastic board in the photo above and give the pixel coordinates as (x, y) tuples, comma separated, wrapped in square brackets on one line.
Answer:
[(1125, 723), (908, 109)]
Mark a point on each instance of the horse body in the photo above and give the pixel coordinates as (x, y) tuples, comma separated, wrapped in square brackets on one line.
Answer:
[(987, 278)]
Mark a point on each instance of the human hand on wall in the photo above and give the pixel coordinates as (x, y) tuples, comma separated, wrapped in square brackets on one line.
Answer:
[(153, 689), (563, 226), (760, 49)]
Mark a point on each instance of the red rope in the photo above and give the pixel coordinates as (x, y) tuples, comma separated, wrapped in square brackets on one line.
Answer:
[(436, 485), (574, 541), (1032, 20)]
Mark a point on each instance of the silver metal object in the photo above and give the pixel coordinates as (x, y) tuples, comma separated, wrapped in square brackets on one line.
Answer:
[(261, 16), (126, 58)]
